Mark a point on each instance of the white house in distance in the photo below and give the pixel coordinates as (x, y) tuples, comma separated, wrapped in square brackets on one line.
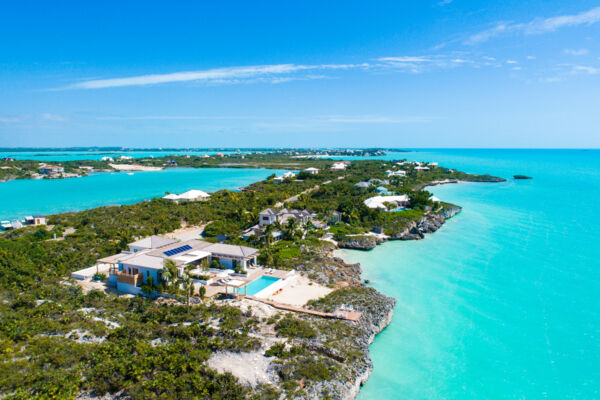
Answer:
[(312, 170), (377, 202), (269, 216), (339, 166), (35, 220), (421, 168), (190, 195), (400, 173), (146, 258), (51, 170)]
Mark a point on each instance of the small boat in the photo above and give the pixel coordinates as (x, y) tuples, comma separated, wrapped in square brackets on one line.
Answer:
[(130, 173)]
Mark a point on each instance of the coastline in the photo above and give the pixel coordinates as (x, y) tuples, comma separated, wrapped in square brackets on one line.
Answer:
[(384, 320)]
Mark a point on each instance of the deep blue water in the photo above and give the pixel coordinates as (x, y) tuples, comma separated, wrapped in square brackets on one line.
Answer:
[(19, 198), (503, 301)]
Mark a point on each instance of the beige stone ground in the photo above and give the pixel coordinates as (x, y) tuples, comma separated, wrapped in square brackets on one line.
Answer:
[(187, 233), (300, 292), (87, 285), (250, 368), (134, 167)]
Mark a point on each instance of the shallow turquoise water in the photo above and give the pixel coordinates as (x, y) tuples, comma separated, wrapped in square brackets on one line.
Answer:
[(259, 284), (502, 302), (19, 198)]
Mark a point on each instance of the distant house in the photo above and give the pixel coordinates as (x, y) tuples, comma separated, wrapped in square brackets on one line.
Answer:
[(109, 159), (376, 181), (190, 195), (170, 163), (312, 171), (400, 173), (267, 217), (339, 166), (51, 170), (362, 185), (421, 168), (129, 270), (335, 217), (382, 190), (289, 174), (126, 158), (379, 202), (6, 159), (35, 220), (270, 216)]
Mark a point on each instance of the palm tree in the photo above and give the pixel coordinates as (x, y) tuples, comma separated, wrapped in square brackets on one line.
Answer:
[(291, 227), (268, 234), (170, 276), (188, 286)]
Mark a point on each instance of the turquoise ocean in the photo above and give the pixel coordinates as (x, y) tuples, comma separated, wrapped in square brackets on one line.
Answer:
[(503, 302), (23, 197)]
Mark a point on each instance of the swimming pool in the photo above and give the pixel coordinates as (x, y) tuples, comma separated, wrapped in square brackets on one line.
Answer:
[(259, 284)]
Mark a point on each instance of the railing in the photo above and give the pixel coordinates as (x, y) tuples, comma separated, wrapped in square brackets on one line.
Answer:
[(130, 279)]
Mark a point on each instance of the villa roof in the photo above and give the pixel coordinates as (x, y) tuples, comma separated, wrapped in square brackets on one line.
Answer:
[(193, 194), (231, 250), (153, 242), (113, 259), (145, 260), (268, 211), (377, 201)]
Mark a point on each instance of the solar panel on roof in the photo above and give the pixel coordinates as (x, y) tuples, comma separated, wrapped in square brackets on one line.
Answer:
[(177, 250)]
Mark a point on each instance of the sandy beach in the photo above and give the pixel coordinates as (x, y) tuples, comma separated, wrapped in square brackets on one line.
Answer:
[(134, 167)]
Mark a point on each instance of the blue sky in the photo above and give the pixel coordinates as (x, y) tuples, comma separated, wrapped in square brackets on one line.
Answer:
[(312, 73)]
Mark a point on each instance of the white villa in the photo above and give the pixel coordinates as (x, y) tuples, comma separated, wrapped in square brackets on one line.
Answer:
[(396, 173), (190, 195), (338, 166), (421, 168), (270, 216), (312, 170), (146, 258), (286, 175), (377, 202)]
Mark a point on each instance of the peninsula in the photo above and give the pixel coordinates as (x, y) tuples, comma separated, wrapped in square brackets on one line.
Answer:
[(236, 296)]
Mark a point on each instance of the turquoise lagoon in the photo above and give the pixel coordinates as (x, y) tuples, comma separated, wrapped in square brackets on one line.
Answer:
[(503, 302), (19, 198)]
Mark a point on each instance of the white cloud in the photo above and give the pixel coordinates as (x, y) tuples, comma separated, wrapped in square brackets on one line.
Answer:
[(218, 75), (405, 59), (576, 52), (52, 117), (8, 120), (537, 26), (375, 119), (585, 69), (512, 62)]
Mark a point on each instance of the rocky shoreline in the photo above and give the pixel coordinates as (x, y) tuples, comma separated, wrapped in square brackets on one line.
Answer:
[(415, 230)]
